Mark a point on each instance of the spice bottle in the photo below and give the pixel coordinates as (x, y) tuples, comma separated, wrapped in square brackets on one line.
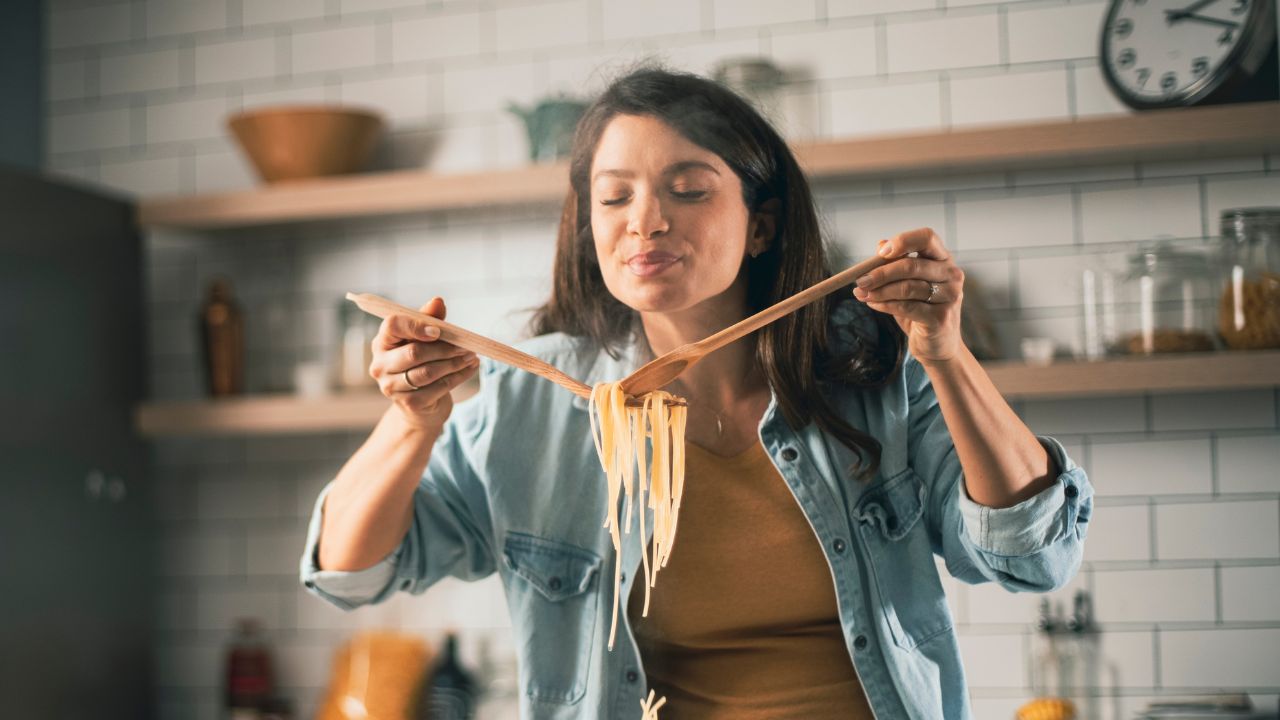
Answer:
[(1249, 310), (450, 691), (222, 339), (357, 330), (249, 678)]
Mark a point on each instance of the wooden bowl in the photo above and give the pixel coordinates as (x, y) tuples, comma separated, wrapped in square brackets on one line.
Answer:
[(306, 141)]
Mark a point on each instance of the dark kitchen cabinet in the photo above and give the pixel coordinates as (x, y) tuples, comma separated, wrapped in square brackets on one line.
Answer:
[(76, 527)]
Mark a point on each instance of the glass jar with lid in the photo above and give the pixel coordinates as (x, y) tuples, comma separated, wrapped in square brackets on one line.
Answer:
[(1168, 294), (1249, 309)]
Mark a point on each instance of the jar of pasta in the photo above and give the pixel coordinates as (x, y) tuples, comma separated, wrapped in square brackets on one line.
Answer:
[(1249, 310), (1168, 297)]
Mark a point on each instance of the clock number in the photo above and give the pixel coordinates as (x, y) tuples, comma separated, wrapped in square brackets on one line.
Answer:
[(1143, 74), (1240, 7), (1169, 82), (1225, 37), (1200, 66), (1127, 57), (1123, 28)]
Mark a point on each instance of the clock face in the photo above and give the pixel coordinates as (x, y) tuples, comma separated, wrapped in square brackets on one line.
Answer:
[(1170, 52)]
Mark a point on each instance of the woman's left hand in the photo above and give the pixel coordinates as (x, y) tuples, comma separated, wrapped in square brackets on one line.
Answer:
[(922, 293)]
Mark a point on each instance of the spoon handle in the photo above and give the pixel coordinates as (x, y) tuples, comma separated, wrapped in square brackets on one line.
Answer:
[(478, 344), (749, 325)]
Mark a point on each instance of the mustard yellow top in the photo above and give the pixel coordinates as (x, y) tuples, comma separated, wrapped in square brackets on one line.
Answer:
[(743, 623)]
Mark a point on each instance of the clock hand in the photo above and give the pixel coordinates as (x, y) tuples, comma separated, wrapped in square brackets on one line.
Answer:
[(1204, 19), (1176, 15)]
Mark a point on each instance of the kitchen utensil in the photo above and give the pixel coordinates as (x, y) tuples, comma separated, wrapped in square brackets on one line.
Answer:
[(477, 344), (306, 141), (660, 371)]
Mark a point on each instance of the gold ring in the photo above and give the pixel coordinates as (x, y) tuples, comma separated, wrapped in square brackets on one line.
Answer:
[(410, 382)]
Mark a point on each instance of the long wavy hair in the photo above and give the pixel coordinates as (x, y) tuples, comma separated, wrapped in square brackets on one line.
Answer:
[(794, 352)]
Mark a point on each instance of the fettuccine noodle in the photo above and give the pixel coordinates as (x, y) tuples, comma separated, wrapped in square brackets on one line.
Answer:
[(620, 434)]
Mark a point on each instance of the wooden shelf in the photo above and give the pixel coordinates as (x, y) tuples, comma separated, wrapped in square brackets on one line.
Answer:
[(1231, 130), (1126, 376), (270, 414), (359, 411)]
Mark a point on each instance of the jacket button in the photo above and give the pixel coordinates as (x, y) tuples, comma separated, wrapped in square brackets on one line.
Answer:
[(1071, 491), (555, 583), (790, 454), (838, 545), (632, 676), (309, 584), (860, 642)]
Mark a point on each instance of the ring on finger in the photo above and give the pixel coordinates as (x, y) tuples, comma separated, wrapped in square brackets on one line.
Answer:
[(410, 382), (933, 292)]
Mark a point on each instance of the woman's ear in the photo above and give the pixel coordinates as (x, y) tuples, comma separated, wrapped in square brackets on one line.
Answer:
[(763, 227)]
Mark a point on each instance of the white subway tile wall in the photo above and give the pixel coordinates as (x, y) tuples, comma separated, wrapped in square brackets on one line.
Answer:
[(1184, 556)]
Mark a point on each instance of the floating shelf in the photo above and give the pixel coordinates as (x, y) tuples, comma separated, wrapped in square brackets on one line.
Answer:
[(1189, 372), (1212, 132), (359, 411)]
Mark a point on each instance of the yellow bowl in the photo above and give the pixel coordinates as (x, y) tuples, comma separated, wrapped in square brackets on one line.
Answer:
[(306, 141)]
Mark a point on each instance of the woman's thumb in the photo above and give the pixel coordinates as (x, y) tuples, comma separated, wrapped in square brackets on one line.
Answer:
[(435, 307)]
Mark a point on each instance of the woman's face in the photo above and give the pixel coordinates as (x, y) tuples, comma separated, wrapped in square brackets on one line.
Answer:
[(671, 229)]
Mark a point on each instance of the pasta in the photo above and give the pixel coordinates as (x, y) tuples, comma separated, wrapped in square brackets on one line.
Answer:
[(642, 451)]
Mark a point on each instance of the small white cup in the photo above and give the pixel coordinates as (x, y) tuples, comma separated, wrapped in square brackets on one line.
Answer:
[(311, 379), (1038, 350)]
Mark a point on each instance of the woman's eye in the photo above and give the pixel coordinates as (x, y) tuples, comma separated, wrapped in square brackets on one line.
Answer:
[(613, 201), (689, 194)]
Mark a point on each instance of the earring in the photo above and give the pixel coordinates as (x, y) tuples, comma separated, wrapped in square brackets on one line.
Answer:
[(755, 254)]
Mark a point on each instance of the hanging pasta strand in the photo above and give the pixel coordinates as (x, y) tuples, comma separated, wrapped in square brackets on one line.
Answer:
[(642, 452)]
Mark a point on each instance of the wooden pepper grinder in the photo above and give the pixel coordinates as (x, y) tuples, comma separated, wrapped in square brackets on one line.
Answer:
[(222, 333)]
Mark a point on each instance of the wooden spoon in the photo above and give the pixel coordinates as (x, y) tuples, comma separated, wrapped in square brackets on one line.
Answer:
[(478, 344), (660, 371)]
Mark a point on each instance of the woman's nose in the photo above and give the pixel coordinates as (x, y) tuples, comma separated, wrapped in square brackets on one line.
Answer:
[(647, 218)]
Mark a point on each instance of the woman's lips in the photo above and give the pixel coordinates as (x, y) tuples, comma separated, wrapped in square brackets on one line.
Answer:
[(651, 263)]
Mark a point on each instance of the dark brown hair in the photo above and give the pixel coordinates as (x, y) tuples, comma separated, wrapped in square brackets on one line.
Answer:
[(794, 352)]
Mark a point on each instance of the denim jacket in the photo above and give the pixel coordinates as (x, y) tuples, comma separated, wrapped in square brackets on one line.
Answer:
[(514, 487)]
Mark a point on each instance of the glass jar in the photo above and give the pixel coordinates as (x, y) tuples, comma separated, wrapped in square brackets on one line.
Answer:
[(356, 331), (1249, 310), (1168, 295)]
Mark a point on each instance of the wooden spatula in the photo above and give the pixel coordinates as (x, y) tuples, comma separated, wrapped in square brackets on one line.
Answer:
[(478, 344), (660, 371)]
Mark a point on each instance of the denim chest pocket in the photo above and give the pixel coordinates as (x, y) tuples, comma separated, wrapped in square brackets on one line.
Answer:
[(908, 591), (553, 598)]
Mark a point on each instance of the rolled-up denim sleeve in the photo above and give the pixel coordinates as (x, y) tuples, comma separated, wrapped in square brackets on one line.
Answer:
[(1034, 546), (345, 589), (450, 534)]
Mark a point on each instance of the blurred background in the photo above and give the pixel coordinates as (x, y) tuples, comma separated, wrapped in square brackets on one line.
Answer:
[(183, 375)]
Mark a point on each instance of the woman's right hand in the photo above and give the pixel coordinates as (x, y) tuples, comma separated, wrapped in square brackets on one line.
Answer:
[(408, 353)]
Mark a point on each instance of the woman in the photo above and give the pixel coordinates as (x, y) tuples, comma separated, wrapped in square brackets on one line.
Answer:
[(826, 467)]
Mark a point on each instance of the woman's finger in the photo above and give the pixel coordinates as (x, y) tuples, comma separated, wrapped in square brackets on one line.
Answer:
[(398, 329), (907, 268), (921, 240), (429, 395), (420, 376), (410, 354), (933, 293), (913, 310)]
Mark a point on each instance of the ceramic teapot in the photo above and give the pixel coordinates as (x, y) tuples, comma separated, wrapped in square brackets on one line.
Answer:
[(550, 125)]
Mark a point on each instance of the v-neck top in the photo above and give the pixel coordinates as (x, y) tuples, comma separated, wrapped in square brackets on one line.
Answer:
[(743, 622)]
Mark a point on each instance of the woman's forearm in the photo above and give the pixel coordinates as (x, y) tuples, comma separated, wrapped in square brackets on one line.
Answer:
[(370, 505), (1003, 462)]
